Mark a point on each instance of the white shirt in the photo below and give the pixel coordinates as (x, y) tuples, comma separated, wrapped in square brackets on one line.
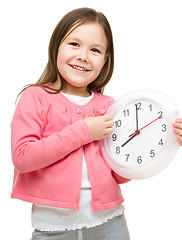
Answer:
[(46, 218)]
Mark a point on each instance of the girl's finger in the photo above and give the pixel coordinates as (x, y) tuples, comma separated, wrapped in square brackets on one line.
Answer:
[(179, 120), (177, 131)]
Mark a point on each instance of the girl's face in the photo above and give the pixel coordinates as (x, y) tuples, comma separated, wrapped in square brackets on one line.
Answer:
[(81, 57)]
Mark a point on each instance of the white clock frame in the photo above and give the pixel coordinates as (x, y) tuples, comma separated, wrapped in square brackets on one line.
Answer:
[(167, 152)]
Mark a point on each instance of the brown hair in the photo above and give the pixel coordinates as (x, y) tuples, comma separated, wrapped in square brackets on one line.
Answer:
[(66, 25)]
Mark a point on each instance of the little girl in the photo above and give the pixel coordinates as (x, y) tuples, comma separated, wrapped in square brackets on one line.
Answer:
[(56, 129)]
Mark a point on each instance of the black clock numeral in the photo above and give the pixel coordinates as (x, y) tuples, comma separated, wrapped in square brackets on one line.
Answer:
[(164, 127), (160, 114), (150, 106), (126, 113), (138, 106), (127, 156), (161, 142), (139, 159), (114, 137), (152, 154), (118, 123), (117, 150)]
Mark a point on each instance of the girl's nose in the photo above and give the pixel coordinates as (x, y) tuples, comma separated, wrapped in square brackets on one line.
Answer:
[(82, 56)]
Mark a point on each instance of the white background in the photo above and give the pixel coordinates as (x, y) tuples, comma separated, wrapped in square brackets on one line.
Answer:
[(148, 54)]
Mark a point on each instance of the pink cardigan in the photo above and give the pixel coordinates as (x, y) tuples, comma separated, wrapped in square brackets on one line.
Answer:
[(48, 138)]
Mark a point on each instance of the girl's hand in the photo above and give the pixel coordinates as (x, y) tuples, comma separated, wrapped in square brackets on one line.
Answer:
[(177, 129), (100, 127)]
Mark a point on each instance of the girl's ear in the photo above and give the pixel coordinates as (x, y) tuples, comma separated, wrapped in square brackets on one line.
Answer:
[(105, 59)]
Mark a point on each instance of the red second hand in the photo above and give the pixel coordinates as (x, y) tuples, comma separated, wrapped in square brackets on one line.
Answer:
[(137, 131)]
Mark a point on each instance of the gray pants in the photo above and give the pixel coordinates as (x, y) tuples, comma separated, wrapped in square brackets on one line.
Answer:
[(115, 229)]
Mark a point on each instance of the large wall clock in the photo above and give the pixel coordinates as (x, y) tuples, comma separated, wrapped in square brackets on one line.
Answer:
[(142, 142)]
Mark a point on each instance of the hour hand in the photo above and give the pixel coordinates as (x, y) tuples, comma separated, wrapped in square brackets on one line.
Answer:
[(135, 134)]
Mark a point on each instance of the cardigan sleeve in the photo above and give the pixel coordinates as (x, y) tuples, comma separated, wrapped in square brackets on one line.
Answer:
[(31, 151), (119, 179)]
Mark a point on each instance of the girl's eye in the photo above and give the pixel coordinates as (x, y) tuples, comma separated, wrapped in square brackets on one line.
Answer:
[(74, 44), (95, 50)]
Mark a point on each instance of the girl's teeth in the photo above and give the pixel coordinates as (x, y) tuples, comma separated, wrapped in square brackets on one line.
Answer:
[(80, 68)]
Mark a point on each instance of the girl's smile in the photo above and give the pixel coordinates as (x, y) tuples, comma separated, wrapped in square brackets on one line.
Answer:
[(81, 57), (82, 69)]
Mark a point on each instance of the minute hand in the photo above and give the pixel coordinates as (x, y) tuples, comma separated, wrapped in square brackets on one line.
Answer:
[(137, 131)]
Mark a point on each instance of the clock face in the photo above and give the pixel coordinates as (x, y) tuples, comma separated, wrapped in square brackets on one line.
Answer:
[(142, 142), (139, 133)]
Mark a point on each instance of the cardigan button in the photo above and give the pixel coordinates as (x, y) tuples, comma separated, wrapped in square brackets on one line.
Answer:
[(79, 111)]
